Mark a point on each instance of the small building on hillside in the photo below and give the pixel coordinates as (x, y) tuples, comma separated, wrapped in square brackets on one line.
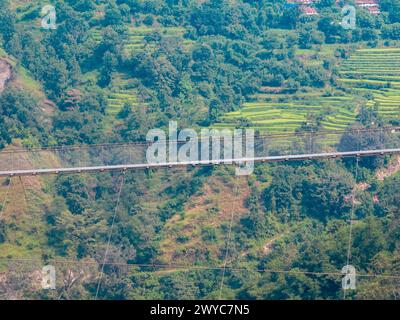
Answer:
[(371, 5), (305, 6), (310, 11)]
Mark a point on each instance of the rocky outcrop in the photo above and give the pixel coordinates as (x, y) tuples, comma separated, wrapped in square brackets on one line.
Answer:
[(5, 74)]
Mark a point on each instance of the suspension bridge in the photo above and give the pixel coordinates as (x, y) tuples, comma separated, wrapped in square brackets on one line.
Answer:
[(266, 148)]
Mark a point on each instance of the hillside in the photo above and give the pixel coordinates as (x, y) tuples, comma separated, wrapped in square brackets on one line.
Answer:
[(366, 71), (5, 74), (110, 71)]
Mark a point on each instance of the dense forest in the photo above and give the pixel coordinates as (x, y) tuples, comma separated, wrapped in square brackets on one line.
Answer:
[(112, 70)]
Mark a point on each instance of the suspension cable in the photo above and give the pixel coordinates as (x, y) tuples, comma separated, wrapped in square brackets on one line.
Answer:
[(110, 234)]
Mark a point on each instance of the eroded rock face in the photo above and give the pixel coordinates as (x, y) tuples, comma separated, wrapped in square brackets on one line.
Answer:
[(5, 74)]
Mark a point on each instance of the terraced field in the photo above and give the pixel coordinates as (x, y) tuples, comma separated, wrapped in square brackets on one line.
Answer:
[(117, 99), (276, 117), (27, 10), (376, 71), (136, 36), (121, 94), (278, 113), (373, 71), (387, 103)]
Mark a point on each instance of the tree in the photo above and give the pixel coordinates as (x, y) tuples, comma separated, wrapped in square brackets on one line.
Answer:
[(255, 224), (73, 190), (327, 194), (112, 14), (309, 36), (392, 7), (19, 117), (368, 241), (290, 17), (388, 197), (7, 22), (391, 31), (353, 140)]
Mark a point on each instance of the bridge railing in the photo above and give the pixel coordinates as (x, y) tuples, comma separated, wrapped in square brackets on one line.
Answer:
[(264, 146)]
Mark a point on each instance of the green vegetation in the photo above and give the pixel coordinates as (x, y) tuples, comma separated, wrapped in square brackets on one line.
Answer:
[(121, 95), (367, 71), (112, 70), (136, 36), (377, 72), (287, 117)]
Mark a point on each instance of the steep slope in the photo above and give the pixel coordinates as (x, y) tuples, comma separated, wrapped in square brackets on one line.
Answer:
[(5, 74)]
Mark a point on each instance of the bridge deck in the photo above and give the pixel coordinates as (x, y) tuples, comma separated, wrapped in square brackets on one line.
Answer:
[(124, 167)]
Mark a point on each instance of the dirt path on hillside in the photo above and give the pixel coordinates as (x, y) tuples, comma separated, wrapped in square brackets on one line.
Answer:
[(5, 74), (382, 174), (393, 168)]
